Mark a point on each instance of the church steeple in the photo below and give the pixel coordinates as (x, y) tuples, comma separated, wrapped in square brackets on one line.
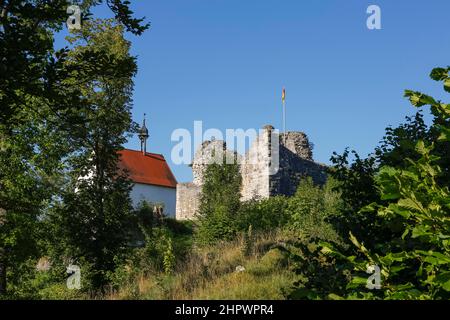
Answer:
[(143, 136)]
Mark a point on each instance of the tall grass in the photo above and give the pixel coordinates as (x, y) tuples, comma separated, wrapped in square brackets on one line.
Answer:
[(210, 273)]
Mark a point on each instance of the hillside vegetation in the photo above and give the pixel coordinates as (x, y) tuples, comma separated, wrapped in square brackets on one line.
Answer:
[(176, 261), (222, 271)]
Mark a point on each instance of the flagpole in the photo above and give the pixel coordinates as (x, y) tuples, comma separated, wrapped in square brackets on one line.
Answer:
[(284, 120), (283, 99)]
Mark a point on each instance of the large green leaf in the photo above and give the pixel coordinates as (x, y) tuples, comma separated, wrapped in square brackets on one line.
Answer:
[(410, 204)]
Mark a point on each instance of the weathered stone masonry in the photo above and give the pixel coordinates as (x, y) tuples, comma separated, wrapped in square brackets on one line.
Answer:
[(267, 169), (188, 197)]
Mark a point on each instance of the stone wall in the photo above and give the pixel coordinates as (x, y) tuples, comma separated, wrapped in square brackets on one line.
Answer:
[(188, 194), (255, 167), (188, 200), (208, 153), (292, 170), (295, 163), (298, 143), (267, 169), (271, 169)]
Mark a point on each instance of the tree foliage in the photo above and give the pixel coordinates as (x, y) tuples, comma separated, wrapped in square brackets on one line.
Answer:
[(263, 214), (93, 219), (41, 102), (219, 203), (414, 262)]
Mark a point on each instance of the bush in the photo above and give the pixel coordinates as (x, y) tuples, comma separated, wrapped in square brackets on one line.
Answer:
[(166, 243), (219, 203), (265, 214), (414, 198), (310, 208), (306, 213), (168, 257)]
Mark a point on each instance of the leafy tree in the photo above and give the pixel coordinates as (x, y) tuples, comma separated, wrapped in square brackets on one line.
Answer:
[(94, 216), (356, 184), (356, 179), (36, 114), (416, 263), (219, 203), (310, 208), (399, 143), (30, 64), (263, 214), (30, 173)]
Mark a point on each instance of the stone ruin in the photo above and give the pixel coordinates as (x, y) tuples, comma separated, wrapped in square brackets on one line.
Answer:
[(267, 169)]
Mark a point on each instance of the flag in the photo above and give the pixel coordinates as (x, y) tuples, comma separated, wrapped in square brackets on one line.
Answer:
[(283, 95)]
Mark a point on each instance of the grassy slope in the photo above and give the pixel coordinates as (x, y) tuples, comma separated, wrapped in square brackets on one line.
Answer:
[(210, 273)]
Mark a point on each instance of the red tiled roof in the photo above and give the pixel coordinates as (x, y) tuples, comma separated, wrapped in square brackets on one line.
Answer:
[(149, 169)]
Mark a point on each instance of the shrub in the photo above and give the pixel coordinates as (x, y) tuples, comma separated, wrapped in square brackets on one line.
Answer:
[(219, 203), (414, 262), (168, 257), (265, 214), (311, 206)]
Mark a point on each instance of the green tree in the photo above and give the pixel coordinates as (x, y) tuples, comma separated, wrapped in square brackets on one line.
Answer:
[(310, 208), (219, 203), (415, 264), (399, 143), (30, 65), (30, 175), (358, 185), (94, 218), (37, 111), (263, 214), (357, 188)]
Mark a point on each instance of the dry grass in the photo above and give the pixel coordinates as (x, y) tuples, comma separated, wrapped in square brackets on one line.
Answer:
[(210, 273)]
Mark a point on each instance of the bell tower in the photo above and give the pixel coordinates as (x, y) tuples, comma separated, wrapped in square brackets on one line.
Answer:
[(143, 136)]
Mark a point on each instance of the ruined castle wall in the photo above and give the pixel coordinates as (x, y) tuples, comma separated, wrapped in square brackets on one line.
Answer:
[(208, 153), (298, 143), (255, 178), (272, 169), (296, 163), (292, 170), (188, 194), (274, 165), (188, 201), (255, 168)]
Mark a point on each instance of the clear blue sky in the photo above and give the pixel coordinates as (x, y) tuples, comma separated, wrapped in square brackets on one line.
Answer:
[(225, 62)]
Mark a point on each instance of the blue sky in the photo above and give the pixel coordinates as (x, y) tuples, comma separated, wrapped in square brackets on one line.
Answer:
[(225, 62)]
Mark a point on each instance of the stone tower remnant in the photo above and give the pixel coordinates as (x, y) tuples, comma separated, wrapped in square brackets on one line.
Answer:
[(267, 169)]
